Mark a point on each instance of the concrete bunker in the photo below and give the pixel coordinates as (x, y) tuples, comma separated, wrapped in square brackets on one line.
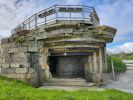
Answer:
[(43, 49)]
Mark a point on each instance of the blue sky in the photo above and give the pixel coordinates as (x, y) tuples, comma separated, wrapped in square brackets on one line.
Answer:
[(115, 13)]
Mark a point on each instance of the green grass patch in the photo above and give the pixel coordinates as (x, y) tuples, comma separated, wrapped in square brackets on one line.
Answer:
[(16, 90), (119, 66), (130, 57)]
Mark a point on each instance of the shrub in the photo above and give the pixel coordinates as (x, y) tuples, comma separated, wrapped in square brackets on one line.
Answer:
[(119, 66)]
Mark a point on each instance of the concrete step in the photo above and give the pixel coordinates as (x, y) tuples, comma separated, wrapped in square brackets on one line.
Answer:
[(130, 68), (67, 82)]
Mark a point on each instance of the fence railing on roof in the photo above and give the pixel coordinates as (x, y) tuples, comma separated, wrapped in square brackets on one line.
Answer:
[(57, 13)]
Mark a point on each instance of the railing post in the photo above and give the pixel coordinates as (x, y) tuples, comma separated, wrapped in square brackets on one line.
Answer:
[(23, 25), (83, 16), (45, 20), (113, 72), (29, 23), (36, 21), (56, 9)]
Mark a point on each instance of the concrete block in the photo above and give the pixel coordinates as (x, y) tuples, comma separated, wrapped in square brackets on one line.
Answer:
[(2, 61), (25, 65), (24, 59), (31, 43), (12, 75), (9, 60), (13, 50), (5, 65), (4, 41), (24, 54), (33, 77), (25, 44), (23, 49), (15, 76), (21, 60), (8, 70), (40, 44), (96, 79), (3, 71), (13, 45), (21, 70), (16, 65), (32, 49)]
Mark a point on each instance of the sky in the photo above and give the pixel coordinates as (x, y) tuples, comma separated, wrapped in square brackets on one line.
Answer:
[(115, 13)]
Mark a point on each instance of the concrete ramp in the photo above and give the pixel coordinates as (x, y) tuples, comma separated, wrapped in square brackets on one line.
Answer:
[(68, 82)]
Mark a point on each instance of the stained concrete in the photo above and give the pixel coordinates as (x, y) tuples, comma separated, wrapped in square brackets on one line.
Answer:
[(71, 66)]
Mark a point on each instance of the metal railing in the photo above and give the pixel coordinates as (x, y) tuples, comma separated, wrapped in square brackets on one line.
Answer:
[(57, 13)]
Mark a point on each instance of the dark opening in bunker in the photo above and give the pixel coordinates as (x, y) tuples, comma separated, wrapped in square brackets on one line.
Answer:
[(67, 66)]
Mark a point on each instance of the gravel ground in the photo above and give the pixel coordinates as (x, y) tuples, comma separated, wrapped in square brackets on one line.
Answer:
[(123, 82), (70, 88)]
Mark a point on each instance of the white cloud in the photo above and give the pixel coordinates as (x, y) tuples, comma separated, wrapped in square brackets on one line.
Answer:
[(126, 47), (72, 2), (118, 14), (14, 12)]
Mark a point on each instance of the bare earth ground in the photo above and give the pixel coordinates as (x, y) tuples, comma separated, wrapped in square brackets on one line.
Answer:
[(123, 82)]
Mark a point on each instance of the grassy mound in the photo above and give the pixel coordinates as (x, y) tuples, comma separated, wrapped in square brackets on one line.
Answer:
[(16, 90), (119, 66)]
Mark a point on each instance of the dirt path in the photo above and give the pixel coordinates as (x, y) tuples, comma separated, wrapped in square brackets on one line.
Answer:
[(124, 82)]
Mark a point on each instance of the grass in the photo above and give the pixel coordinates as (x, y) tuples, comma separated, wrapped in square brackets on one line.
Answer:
[(130, 57), (16, 90)]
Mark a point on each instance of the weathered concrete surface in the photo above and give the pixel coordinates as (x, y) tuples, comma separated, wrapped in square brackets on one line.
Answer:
[(123, 82)]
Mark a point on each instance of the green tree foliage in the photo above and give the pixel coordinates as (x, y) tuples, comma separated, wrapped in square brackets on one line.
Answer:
[(125, 56), (119, 66)]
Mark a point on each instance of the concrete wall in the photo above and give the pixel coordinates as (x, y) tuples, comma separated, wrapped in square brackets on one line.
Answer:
[(71, 66)]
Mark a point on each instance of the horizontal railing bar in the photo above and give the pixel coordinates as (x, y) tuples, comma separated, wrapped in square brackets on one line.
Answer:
[(33, 20)]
